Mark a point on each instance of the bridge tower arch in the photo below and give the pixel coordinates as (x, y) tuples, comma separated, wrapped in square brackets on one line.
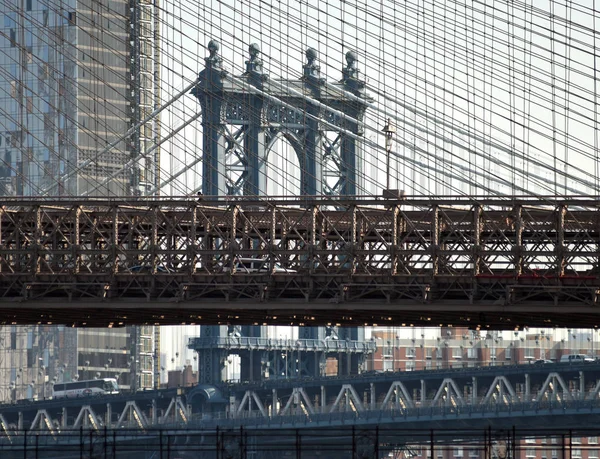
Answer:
[(242, 115), (242, 118)]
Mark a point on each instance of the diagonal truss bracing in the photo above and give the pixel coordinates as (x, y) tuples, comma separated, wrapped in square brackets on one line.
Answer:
[(487, 252)]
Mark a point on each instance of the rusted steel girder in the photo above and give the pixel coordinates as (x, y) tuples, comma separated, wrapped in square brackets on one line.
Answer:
[(480, 262)]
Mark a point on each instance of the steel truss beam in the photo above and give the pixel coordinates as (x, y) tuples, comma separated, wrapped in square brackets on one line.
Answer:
[(465, 261), (517, 391)]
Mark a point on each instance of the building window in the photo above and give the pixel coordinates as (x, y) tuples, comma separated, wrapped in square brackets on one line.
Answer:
[(554, 454), (472, 353), (458, 452), (428, 353), (530, 452), (388, 365), (473, 453), (576, 440), (457, 352), (544, 454), (410, 365), (508, 353), (410, 352), (576, 453), (146, 380), (592, 454), (592, 440), (530, 440), (529, 353), (428, 364)]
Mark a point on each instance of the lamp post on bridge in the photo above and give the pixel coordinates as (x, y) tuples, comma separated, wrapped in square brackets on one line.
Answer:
[(389, 130)]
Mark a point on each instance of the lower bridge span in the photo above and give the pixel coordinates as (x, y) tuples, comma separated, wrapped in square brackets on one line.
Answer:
[(395, 409)]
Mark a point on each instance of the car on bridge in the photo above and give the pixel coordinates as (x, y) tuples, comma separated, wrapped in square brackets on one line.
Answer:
[(576, 358), (542, 361)]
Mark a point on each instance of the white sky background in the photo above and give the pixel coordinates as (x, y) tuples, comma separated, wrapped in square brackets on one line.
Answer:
[(488, 97)]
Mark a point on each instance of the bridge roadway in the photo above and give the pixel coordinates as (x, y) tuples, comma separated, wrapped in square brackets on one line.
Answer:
[(530, 398), (489, 262)]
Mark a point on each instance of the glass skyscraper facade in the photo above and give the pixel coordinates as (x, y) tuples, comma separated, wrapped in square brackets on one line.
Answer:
[(75, 77)]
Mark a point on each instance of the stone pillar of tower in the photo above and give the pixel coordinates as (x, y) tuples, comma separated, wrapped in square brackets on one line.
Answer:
[(209, 92)]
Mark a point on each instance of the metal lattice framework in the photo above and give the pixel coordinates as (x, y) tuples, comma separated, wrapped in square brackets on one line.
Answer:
[(243, 117), (152, 261), (522, 396)]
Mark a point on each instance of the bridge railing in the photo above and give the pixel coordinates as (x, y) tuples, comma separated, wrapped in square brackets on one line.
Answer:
[(384, 413)]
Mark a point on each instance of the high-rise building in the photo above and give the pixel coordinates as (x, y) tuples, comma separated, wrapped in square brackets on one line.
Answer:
[(76, 76)]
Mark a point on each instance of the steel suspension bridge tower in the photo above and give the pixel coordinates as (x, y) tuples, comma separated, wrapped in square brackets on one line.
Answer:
[(242, 118)]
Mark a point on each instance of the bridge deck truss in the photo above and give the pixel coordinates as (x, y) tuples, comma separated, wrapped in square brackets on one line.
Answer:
[(525, 396), (373, 261)]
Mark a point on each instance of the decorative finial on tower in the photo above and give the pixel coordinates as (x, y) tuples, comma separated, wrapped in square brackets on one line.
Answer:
[(254, 64), (351, 74), (254, 50), (312, 71), (213, 74), (351, 58), (213, 60)]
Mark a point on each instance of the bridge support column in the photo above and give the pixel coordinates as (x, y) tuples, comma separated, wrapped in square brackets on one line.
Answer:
[(63, 418), (154, 414), (373, 397), (527, 388), (351, 149), (108, 415), (255, 139), (581, 386), (20, 421), (323, 399), (474, 391), (211, 360), (349, 364), (311, 162), (251, 367), (209, 92)]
